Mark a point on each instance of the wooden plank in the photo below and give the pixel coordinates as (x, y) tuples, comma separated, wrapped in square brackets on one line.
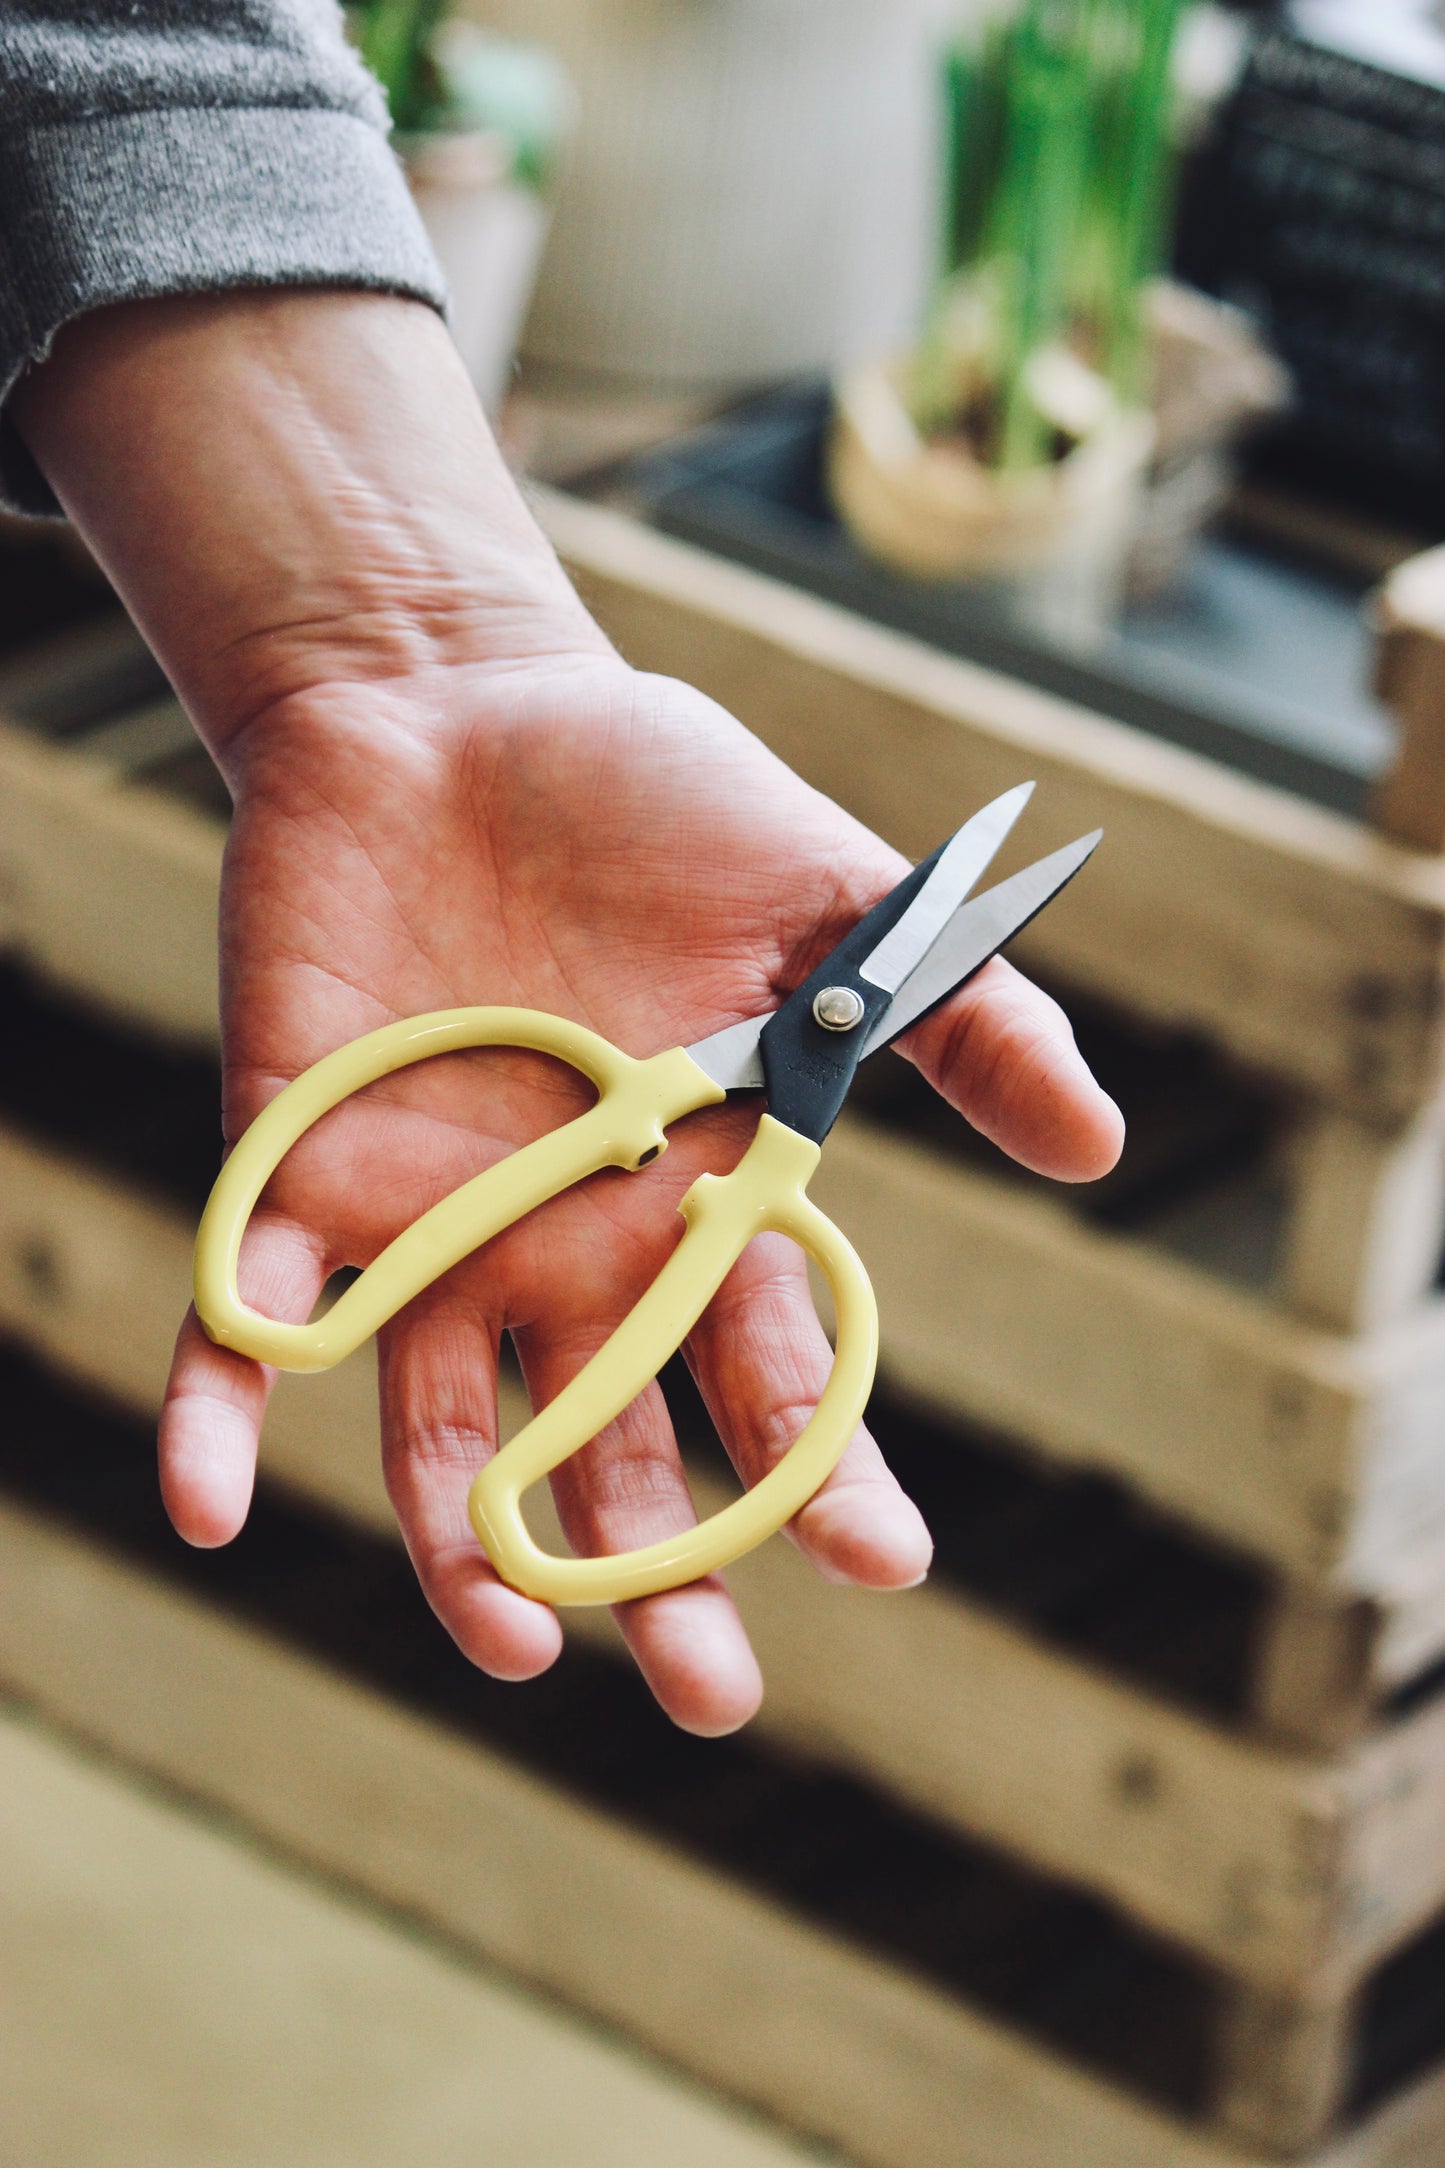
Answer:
[(1230, 1847), (1093, 1780), (1295, 1872), (97, 1278), (1284, 2068), (1409, 802), (1366, 1227), (749, 1997), (110, 890), (1316, 1667), (1300, 940), (1224, 1845)]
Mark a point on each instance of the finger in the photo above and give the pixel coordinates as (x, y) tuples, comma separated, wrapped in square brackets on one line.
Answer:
[(215, 1398), (1003, 1053), (761, 1360), (624, 1489), (437, 1374)]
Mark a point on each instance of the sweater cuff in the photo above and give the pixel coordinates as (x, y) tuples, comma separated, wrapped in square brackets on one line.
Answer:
[(133, 206)]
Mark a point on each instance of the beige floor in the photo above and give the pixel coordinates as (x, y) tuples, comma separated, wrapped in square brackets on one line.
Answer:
[(170, 1998)]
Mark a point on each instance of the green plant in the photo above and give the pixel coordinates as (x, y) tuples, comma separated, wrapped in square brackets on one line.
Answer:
[(1058, 174), (394, 38), (441, 74)]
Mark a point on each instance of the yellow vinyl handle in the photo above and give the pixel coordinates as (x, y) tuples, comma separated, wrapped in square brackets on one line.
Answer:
[(766, 1190), (638, 1099)]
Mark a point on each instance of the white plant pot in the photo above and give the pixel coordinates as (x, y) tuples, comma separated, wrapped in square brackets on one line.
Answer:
[(751, 191), (488, 235), (1052, 542)]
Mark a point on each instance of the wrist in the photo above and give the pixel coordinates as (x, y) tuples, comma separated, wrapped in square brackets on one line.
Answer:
[(445, 734), (296, 492)]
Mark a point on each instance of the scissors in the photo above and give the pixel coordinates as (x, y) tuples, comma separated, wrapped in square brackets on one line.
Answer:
[(910, 952)]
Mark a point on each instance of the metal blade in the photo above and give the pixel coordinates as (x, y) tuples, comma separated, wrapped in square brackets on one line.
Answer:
[(731, 1058), (977, 931), (962, 863)]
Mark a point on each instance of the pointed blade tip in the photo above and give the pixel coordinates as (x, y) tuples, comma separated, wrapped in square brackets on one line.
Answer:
[(961, 862), (1012, 904), (1018, 794)]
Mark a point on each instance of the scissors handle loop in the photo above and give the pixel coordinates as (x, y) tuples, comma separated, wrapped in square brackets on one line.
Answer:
[(766, 1190), (637, 1100)]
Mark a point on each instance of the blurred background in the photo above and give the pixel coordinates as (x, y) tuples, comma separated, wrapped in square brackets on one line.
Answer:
[(959, 393)]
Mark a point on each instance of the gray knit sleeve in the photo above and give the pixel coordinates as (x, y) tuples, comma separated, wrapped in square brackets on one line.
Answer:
[(184, 146)]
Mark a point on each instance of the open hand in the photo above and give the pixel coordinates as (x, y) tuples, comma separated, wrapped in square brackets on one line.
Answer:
[(616, 849)]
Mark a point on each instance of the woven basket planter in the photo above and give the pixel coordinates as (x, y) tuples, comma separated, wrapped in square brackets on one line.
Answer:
[(1055, 540)]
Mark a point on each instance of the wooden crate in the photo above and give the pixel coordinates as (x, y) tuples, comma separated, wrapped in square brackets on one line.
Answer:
[(1258, 1416)]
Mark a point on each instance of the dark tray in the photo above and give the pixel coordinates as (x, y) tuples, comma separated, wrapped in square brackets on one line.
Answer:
[(1259, 662)]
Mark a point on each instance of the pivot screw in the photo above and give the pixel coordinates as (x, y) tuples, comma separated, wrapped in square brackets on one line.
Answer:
[(838, 1008)]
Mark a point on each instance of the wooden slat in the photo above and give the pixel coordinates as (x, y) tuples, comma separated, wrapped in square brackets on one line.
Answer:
[(1364, 1239), (110, 890), (1088, 1778), (97, 1279), (1298, 939), (1410, 675), (1284, 2067), (1394, 1832), (1232, 1848), (1316, 1666)]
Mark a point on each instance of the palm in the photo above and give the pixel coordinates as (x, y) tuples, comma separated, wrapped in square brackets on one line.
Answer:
[(618, 851)]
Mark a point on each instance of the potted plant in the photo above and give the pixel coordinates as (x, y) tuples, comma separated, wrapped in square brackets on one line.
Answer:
[(1015, 441), (479, 123)]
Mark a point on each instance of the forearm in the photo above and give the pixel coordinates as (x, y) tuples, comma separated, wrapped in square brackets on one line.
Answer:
[(292, 491), (146, 150)]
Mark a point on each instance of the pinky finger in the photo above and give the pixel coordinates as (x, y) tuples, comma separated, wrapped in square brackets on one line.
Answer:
[(215, 1398)]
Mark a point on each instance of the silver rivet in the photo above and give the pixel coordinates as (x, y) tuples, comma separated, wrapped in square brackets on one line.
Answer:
[(838, 1008)]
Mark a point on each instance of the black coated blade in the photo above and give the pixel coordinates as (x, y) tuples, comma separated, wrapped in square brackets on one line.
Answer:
[(929, 896), (807, 1070)]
